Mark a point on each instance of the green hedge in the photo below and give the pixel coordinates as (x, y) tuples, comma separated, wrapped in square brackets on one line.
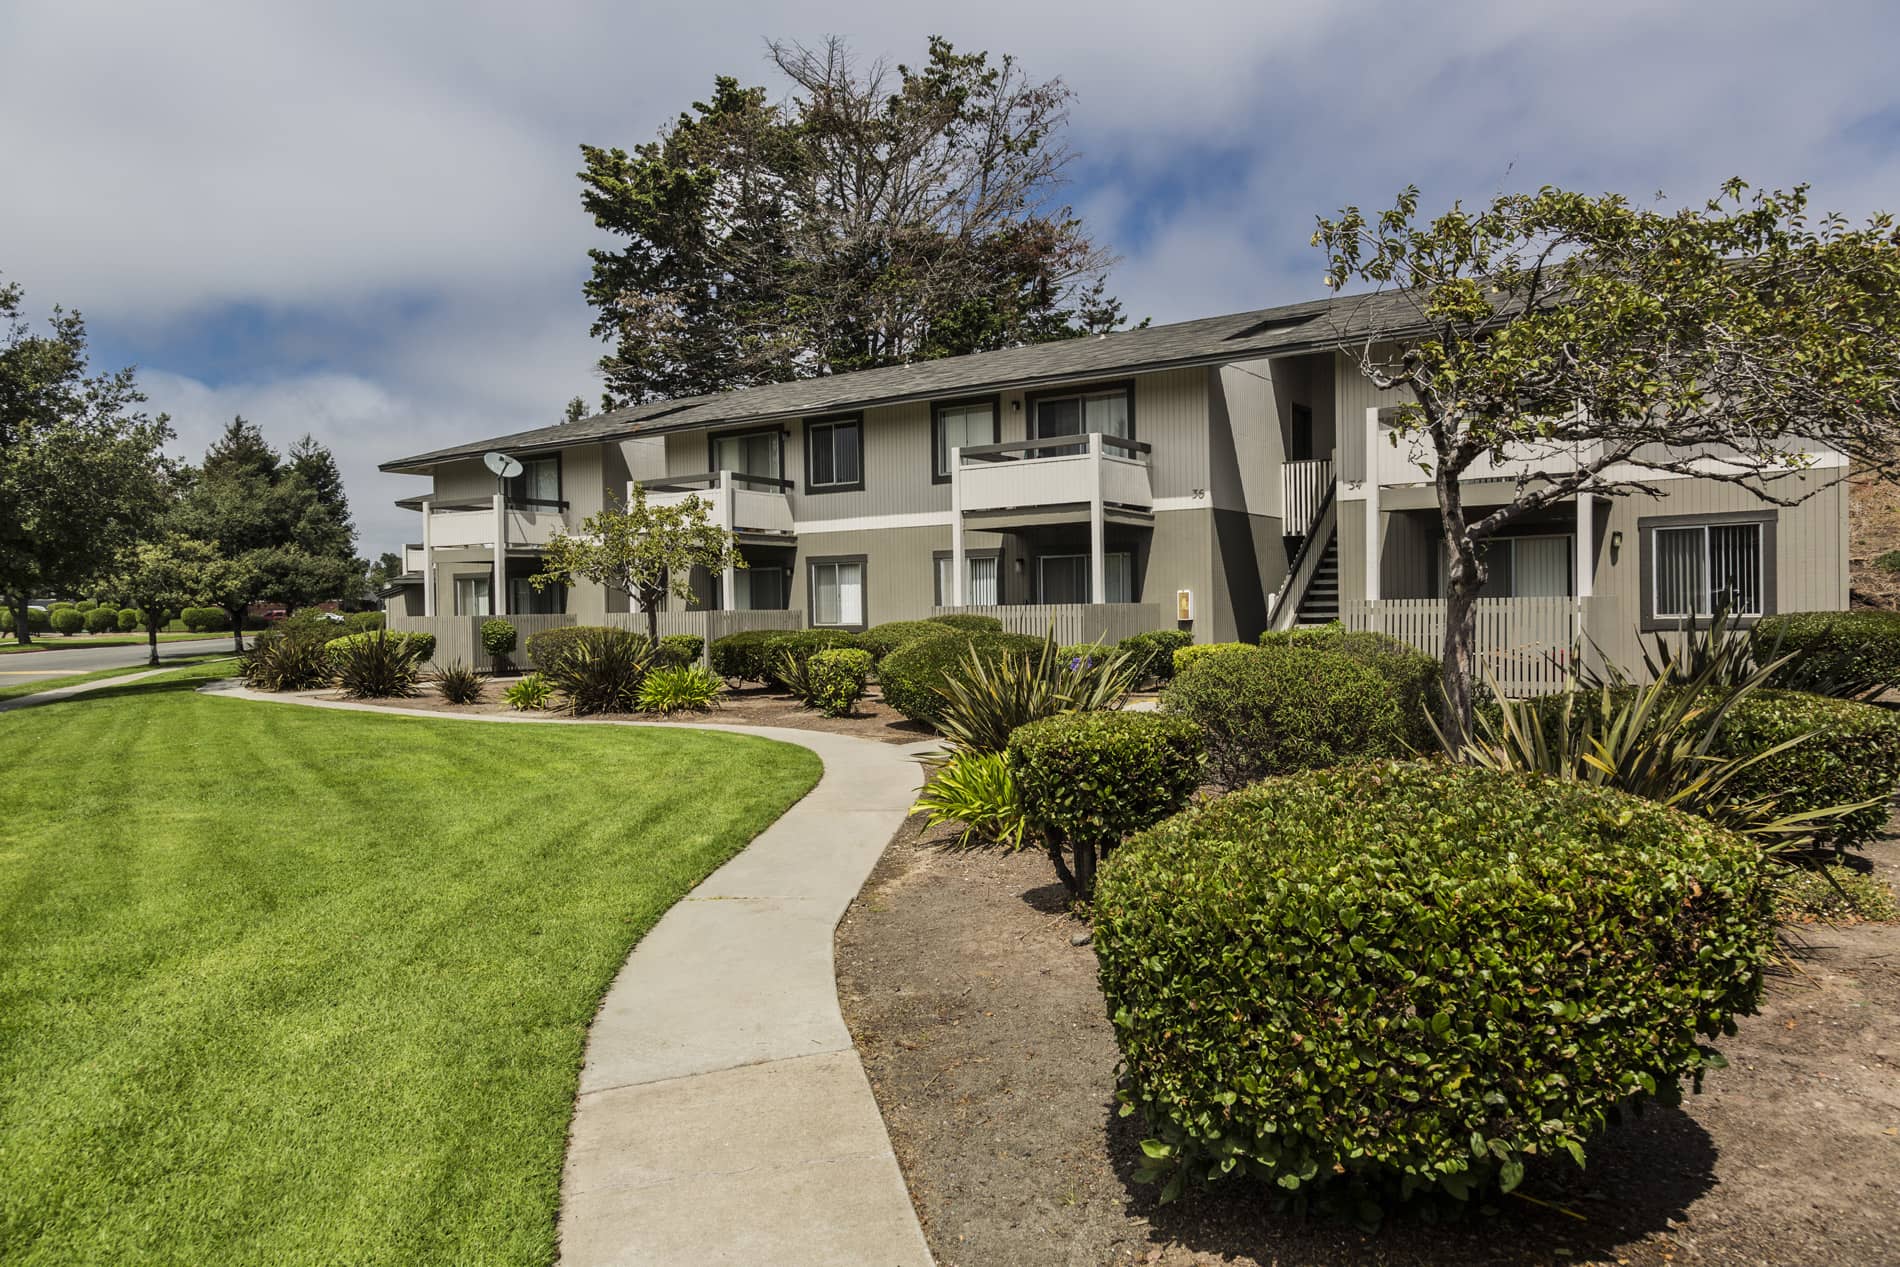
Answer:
[(545, 647), (1417, 975), (128, 619), (1855, 756), (422, 645), (1155, 651), (910, 676), (881, 640), (204, 619), (68, 620), (498, 638), (969, 622), (101, 620), (364, 622), (1274, 710), (1197, 651), (678, 650), (754, 655), (1845, 646), (1413, 675), (1086, 780)]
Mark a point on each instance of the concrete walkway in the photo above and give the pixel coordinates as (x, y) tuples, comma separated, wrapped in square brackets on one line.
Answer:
[(724, 1116)]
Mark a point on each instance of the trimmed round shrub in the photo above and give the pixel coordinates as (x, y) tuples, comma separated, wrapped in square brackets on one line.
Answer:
[(38, 618), (6, 620), (744, 656), (62, 605), (85, 605), (1086, 780), (1274, 710), (835, 678), (911, 676), (881, 640), (68, 621), (798, 646), (1413, 675), (969, 622), (1853, 756), (204, 619), (128, 619), (1155, 651), (420, 646), (1417, 977), (498, 641), (544, 648), (101, 620), (679, 650), (1842, 646), (363, 622)]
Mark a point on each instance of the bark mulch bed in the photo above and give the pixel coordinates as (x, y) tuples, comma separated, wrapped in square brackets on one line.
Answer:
[(982, 1028), (752, 707)]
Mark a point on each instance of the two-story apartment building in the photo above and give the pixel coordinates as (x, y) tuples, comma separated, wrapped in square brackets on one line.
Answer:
[(1217, 475)]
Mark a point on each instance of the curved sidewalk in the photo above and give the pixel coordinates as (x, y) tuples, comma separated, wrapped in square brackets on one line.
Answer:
[(724, 1116)]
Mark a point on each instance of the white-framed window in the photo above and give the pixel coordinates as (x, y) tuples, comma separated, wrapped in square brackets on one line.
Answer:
[(834, 455), (1064, 578), (960, 425), (1108, 411), (837, 592), (471, 596), (748, 453), (1696, 568), (980, 587), (1531, 567)]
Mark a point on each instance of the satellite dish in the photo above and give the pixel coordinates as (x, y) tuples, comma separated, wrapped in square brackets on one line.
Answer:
[(502, 465)]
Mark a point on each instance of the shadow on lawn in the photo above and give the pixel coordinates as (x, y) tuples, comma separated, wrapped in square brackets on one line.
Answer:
[(1643, 1173)]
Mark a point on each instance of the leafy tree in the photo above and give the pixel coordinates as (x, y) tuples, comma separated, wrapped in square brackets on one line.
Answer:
[(81, 468), (387, 567), (575, 411), (284, 524), (643, 551), (1626, 343), (163, 577), (880, 215)]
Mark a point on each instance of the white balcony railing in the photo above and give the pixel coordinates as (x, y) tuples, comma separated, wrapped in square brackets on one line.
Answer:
[(738, 502), (1027, 475), (1303, 490), (462, 524)]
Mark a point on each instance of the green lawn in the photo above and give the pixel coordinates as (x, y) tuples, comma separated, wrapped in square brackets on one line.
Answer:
[(45, 641), (285, 986), (13, 690)]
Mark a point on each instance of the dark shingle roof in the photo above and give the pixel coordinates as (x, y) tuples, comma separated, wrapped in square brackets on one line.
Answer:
[(1209, 340)]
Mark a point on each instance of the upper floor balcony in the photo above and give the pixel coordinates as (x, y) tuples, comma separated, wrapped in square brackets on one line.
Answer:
[(1089, 473), (747, 505), (486, 521)]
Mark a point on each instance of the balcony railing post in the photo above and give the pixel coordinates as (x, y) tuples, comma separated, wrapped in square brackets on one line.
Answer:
[(1374, 535), (957, 565), (728, 518), (1098, 524), (498, 597), (428, 557)]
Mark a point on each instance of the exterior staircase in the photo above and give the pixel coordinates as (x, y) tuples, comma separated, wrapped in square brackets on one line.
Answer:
[(1319, 605)]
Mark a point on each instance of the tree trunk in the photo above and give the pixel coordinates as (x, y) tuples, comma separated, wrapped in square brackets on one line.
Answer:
[(1084, 869), (1461, 596), (653, 625), (22, 632), (1062, 867), (151, 634), (237, 628)]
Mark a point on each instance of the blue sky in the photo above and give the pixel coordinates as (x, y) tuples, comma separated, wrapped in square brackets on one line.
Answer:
[(360, 219)]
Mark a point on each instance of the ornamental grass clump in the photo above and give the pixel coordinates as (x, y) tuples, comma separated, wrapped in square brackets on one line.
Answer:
[(1405, 978), (912, 678), (458, 683), (977, 790), (599, 670), (680, 688), (378, 665), (984, 697), (277, 662)]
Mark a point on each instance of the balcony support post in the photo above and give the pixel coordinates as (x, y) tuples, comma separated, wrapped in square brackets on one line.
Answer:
[(428, 557), (958, 568), (1374, 533), (1098, 524), (1586, 545), (498, 595), (728, 518)]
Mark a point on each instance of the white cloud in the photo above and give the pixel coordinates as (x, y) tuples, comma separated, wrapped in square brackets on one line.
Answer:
[(405, 173)]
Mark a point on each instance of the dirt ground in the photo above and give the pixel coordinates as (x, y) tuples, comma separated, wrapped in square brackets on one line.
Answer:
[(982, 1028), (1874, 530), (750, 707)]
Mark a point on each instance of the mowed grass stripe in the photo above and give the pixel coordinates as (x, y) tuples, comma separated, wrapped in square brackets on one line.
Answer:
[(286, 986)]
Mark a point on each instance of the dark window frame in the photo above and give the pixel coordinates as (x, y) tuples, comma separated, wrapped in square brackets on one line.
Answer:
[(1032, 399), (1134, 573), (516, 490), (1649, 621), (832, 422), (938, 556), (864, 585), (732, 433), (937, 407)]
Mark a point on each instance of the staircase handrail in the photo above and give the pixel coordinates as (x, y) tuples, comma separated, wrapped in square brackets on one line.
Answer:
[(1286, 603)]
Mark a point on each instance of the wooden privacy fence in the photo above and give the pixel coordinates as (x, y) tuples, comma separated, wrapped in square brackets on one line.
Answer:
[(460, 637), (1074, 622), (1524, 644)]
